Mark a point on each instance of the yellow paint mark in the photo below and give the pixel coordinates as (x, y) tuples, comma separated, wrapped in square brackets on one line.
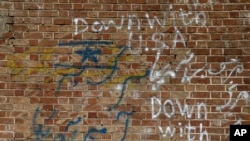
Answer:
[(115, 50), (14, 64), (45, 57), (48, 50), (63, 71), (34, 50), (17, 71), (20, 66), (16, 57)]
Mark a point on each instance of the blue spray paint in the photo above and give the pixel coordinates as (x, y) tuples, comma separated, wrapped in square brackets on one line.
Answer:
[(124, 87), (74, 134), (90, 54), (75, 83), (94, 130), (114, 68), (38, 128), (129, 114), (41, 134), (73, 122), (60, 137), (52, 114)]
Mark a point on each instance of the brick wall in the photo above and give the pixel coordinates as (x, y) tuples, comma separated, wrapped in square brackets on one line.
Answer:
[(121, 70)]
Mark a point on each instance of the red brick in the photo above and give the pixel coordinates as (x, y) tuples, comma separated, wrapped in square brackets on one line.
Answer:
[(219, 14), (6, 135), (233, 51), (65, 6), (20, 27), (216, 87), (48, 13), (62, 21), (49, 100), (33, 35), (20, 13), (151, 7), (215, 58), (108, 1), (31, 6), (231, 7), (232, 22), (200, 37), (47, 43), (6, 121), (151, 137)]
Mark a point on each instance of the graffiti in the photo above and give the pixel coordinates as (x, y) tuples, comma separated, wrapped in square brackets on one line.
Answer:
[(133, 20), (128, 114), (178, 37), (133, 24), (73, 122), (89, 54), (238, 68), (161, 22), (192, 15), (155, 31), (38, 128), (94, 130), (188, 130), (198, 18), (131, 40), (41, 133), (158, 76), (39, 63), (185, 111), (186, 78), (242, 95), (96, 26), (124, 88)]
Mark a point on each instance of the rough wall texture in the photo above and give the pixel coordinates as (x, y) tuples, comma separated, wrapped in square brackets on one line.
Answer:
[(121, 70)]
